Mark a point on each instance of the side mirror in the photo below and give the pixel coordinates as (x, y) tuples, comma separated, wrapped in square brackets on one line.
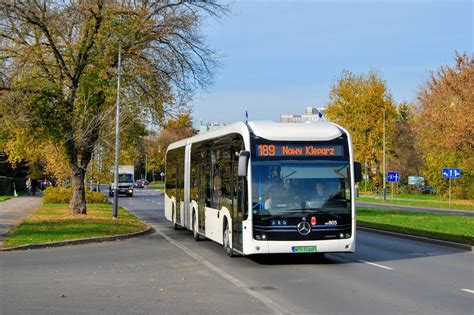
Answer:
[(243, 163), (357, 172)]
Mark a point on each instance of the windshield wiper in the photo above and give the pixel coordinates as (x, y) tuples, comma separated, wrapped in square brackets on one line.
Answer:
[(329, 213)]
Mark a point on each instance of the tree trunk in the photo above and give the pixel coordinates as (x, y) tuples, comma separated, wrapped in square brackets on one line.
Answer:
[(77, 205)]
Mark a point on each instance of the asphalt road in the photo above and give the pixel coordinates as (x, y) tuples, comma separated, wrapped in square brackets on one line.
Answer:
[(386, 275)]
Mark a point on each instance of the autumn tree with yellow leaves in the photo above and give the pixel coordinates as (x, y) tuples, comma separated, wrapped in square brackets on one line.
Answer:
[(58, 67), (445, 125), (361, 103), (173, 130)]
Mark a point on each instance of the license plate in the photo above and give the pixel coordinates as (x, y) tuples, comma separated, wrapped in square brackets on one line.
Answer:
[(303, 249)]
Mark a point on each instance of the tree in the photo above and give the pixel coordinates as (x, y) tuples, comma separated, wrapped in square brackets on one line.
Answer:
[(404, 157), (358, 103), (173, 130), (445, 125), (59, 62)]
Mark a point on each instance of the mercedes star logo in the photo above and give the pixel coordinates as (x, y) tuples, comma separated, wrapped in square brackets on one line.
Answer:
[(304, 228)]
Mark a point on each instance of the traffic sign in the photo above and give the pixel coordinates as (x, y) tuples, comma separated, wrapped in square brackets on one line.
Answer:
[(451, 172), (393, 177)]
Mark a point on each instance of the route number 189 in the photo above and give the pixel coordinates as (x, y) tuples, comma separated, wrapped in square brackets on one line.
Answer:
[(266, 150)]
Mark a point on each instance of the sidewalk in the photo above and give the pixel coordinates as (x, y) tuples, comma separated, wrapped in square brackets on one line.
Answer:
[(14, 210)]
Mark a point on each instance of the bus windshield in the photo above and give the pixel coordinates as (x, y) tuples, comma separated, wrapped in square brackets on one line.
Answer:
[(285, 188)]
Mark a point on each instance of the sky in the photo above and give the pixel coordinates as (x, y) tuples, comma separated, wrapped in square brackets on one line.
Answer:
[(279, 57)]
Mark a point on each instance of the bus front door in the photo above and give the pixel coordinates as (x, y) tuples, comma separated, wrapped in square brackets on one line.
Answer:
[(237, 213)]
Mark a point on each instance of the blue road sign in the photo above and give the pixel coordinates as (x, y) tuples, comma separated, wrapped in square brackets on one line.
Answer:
[(451, 172), (393, 177)]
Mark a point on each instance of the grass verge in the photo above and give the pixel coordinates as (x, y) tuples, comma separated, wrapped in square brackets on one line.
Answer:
[(52, 223), (428, 203), (440, 226), (157, 187), (3, 198)]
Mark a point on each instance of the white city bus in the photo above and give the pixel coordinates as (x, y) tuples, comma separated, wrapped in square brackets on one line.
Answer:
[(265, 187)]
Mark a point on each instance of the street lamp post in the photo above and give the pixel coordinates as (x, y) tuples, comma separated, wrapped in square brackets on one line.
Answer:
[(117, 136), (384, 165)]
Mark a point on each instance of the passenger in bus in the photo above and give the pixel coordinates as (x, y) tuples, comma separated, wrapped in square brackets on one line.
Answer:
[(318, 197), (324, 193)]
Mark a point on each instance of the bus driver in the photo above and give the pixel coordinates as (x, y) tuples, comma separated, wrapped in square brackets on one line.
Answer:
[(277, 195)]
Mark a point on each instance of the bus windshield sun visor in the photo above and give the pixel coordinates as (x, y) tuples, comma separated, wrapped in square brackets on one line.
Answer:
[(243, 163)]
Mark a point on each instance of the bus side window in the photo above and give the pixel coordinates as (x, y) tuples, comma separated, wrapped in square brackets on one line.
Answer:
[(217, 191), (206, 167), (240, 182)]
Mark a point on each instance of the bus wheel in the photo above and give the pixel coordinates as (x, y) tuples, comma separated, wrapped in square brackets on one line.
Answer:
[(227, 247), (196, 235)]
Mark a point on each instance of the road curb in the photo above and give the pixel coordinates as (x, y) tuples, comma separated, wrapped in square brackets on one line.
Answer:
[(418, 238), (147, 231)]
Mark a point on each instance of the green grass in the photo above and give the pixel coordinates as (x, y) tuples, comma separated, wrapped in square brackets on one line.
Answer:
[(445, 227), (421, 197), (157, 186), (52, 223), (429, 203), (3, 198)]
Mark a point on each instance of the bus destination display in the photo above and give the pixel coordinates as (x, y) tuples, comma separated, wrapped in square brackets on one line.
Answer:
[(298, 150)]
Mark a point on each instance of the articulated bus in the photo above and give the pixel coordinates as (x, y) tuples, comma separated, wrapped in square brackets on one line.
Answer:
[(264, 187)]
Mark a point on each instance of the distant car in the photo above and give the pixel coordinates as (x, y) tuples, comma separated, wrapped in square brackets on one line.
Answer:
[(139, 184), (428, 190)]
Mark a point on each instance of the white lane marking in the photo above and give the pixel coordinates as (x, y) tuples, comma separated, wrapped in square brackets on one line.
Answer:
[(277, 308), (374, 264), (468, 291)]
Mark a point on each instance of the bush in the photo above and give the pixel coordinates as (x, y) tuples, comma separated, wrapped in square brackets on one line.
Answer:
[(63, 195), (95, 197)]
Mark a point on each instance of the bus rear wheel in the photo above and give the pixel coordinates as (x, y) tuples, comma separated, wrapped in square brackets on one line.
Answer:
[(227, 247)]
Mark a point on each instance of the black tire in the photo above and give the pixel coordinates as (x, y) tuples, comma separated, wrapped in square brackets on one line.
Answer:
[(226, 240), (196, 235), (317, 256)]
